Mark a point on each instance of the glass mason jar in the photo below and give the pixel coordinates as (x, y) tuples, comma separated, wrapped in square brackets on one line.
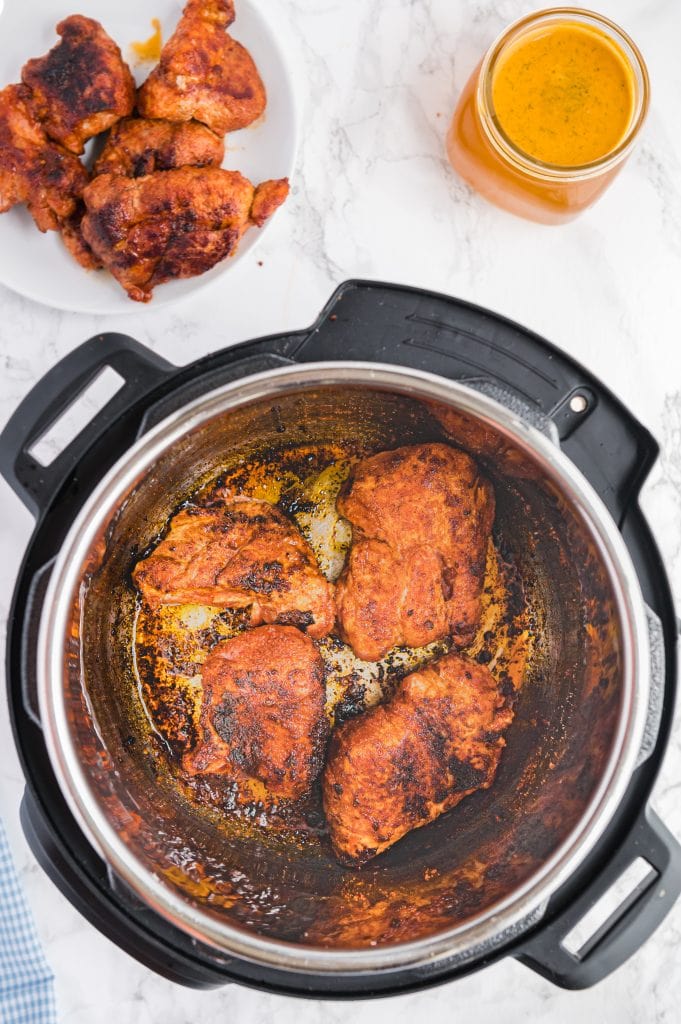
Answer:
[(487, 158)]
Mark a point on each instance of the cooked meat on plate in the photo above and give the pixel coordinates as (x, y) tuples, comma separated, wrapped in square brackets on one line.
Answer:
[(404, 763), (172, 224), (150, 229), (137, 146), (82, 86), (421, 521), (241, 554), (262, 712), (72, 236), (204, 74), (34, 170)]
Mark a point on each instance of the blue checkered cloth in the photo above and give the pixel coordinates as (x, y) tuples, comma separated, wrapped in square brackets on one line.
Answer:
[(26, 981)]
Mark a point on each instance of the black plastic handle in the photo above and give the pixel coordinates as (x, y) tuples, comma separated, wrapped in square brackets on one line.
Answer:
[(125, 921), (628, 927), (141, 370)]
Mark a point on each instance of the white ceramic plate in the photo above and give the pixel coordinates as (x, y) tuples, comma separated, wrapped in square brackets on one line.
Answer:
[(38, 266)]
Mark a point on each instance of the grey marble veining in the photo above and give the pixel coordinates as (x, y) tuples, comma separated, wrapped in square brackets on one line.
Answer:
[(373, 197)]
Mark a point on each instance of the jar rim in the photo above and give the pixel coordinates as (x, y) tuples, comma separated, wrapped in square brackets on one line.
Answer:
[(505, 146)]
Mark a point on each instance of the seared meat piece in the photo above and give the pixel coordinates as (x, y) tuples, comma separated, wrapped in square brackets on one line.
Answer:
[(242, 553), (404, 763), (42, 174), (204, 74), (82, 86), (421, 520), (34, 170), (72, 234), (481, 440), (136, 147), (267, 199), (172, 224), (262, 712)]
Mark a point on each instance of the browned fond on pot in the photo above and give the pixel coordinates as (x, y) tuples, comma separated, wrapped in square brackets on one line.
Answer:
[(548, 634)]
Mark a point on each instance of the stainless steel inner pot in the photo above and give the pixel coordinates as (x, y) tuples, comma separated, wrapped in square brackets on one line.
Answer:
[(447, 891)]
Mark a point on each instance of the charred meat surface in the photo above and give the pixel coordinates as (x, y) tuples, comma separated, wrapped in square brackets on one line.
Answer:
[(404, 763), (421, 519), (34, 170), (262, 712), (242, 554), (72, 236), (82, 86), (172, 224), (204, 74), (136, 147)]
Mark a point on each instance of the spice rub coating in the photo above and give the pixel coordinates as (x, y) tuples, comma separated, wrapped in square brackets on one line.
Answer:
[(82, 86), (242, 553), (137, 146), (406, 762), (421, 519), (33, 169), (262, 712), (204, 74), (172, 224)]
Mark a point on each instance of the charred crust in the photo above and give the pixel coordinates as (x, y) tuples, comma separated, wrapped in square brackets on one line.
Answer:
[(267, 578), (465, 776)]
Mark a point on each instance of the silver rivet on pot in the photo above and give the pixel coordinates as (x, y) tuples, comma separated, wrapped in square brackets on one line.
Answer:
[(579, 403)]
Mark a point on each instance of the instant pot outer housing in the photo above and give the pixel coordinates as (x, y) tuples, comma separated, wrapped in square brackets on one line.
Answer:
[(512, 869)]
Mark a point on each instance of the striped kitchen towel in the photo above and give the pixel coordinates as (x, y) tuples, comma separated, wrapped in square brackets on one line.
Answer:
[(26, 981)]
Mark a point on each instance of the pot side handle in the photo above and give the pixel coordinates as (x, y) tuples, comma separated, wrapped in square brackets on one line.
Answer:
[(86, 885), (637, 916), (628, 927), (141, 370)]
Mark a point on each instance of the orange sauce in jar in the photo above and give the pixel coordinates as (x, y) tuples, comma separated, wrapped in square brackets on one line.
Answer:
[(547, 119)]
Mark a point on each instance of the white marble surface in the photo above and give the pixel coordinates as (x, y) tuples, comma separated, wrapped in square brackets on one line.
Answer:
[(373, 197)]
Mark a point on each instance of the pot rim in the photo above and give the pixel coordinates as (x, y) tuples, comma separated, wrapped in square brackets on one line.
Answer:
[(484, 930)]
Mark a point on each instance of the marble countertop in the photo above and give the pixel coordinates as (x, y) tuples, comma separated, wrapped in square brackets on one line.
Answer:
[(373, 197)]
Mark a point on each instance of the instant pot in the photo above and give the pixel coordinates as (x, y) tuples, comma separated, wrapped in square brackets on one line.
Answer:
[(515, 868)]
